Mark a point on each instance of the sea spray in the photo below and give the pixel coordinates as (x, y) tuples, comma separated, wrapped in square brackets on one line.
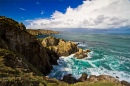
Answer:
[(109, 55)]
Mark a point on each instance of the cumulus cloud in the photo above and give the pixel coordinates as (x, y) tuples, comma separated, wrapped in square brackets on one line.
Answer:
[(22, 9), (99, 14)]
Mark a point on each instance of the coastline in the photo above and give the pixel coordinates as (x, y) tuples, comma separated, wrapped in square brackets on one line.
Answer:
[(24, 60)]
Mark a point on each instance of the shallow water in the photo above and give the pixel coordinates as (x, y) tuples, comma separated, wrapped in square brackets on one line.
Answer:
[(110, 54)]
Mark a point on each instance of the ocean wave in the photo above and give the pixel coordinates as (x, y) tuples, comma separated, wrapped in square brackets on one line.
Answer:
[(71, 65)]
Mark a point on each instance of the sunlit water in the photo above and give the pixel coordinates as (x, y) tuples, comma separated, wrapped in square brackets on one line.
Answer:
[(110, 54)]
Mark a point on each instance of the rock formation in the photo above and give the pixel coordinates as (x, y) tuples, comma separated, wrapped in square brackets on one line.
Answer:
[(13, 36), (41, 32), (69, 79), (60, 46), (93, 78), (83, 77), (81, 54)]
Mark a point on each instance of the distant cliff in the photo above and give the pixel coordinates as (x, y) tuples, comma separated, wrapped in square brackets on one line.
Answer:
[(41, 32)]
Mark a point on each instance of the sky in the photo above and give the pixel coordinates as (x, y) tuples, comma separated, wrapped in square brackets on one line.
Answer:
[(68, 14)]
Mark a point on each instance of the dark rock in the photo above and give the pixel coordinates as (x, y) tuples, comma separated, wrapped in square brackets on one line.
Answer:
[(83, 77), (125, 83), (69, 79), (15, 37)]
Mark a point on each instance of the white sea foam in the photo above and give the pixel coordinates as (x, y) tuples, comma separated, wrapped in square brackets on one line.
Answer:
[(67, 66)]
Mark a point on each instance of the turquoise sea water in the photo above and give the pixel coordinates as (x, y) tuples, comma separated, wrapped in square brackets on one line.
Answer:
[(110, 55)]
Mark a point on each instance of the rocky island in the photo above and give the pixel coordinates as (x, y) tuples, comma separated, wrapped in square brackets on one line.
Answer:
[(24, 60)]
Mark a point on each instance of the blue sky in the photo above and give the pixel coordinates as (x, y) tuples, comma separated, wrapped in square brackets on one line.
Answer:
[(21, 10), (69, 14)]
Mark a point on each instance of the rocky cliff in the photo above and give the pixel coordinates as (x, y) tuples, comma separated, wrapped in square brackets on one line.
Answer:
[(14, 37), (41, 32)]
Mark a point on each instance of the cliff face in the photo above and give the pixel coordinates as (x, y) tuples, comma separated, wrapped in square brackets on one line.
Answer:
[(60, 46), (13, 36), (41, 32)]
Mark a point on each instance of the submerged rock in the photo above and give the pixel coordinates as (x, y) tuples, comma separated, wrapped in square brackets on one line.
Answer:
[(81, 54)]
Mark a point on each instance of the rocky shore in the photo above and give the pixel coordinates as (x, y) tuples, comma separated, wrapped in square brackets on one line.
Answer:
[(24, 60)]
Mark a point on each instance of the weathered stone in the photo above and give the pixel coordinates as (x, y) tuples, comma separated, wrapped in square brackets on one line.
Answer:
[(92, 78), (83, 77), (107, 78), (125, 83), (81, 54), (59, 46)]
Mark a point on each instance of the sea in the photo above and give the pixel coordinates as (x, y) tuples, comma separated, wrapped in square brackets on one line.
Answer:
[(110, 55)]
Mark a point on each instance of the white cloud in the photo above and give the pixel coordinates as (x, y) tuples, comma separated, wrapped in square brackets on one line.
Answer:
[(37, 3), (42, 12), (99, 14), (22, 9)]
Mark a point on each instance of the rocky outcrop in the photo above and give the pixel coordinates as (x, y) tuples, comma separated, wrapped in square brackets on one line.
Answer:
[(13, 36), (83, 77), (69, 79), (41, 32), (93, 78), (81, 54), (60, 46), (125, 83)]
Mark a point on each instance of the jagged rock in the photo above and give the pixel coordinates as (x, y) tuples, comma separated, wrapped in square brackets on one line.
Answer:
[(59, 46), (69, 79), (50, 41), (81, 54), (83, 77), (15, 38), (125, 83)]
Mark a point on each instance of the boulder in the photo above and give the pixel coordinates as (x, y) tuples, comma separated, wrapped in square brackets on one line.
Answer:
[(69, 79), (125, 83), (81, 54), (92, 78), (83, 77), (107, 78)]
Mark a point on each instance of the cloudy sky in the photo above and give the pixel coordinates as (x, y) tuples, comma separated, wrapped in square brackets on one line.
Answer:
[(61, 14)]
